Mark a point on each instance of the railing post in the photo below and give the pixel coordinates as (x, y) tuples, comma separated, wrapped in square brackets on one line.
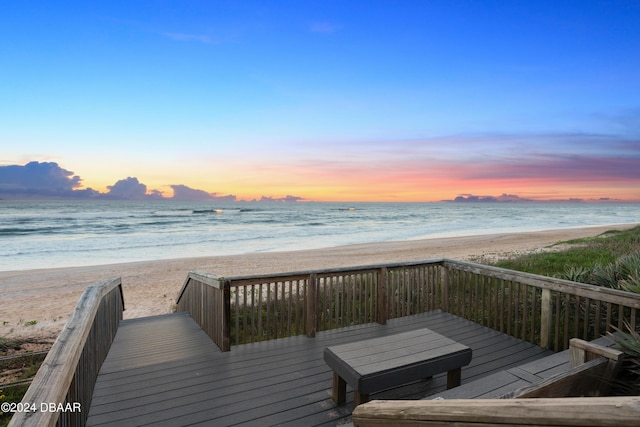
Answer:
[(226, 316), (545, 318), (444, 290), (383, 301), (311, 305)]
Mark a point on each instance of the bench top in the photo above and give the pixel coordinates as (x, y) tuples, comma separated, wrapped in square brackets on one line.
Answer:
[(380, 361)]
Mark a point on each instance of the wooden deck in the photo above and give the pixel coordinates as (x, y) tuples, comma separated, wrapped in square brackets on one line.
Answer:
[(165, 370)]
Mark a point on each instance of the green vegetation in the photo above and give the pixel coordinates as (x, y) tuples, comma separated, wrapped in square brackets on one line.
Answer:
[(11, 394), (578, 259), (7, 343), (16, 369), (628, 381)]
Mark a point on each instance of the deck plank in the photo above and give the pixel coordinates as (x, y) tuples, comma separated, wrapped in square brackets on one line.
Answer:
[(164, 370)]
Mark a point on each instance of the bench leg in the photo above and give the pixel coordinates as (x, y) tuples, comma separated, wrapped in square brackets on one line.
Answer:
[(454, 377), (359, 398), (339, 393)]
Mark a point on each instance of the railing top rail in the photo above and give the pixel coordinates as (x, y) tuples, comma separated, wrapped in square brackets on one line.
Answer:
[(570, 411), (203, 277), (51, 382), (628, 299), (326, 271)]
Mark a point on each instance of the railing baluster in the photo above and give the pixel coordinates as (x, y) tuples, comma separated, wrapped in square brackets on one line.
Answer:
[(620, 316), (576, 320), (525, 301)]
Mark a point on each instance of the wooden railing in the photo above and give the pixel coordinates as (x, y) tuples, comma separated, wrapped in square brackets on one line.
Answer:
[(542, 310), (570, 411), (539, 309), (206, 298), (60, 393), (244, 309)]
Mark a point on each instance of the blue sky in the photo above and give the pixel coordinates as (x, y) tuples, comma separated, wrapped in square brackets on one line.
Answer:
[(328, 100)]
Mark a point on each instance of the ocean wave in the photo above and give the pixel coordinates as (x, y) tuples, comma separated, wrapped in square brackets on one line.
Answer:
[(208, 211), (176, 212), (31, 230)]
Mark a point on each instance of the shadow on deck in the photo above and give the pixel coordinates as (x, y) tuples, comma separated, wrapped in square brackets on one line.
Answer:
[(165, 370)]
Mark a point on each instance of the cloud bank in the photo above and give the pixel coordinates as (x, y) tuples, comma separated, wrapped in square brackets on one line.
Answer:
[(48, 180), (182, 192), (503, 198)]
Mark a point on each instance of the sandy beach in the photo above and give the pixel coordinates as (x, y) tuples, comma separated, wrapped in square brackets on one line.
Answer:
[(37, 303)]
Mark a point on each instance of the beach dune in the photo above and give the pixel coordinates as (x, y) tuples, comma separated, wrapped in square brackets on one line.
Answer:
[(37, 303)]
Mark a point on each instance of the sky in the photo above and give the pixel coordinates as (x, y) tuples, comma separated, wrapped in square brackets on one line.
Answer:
[(324, 100)]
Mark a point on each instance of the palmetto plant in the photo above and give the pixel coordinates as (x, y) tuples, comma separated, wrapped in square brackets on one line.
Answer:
[(577, 274), (628, 381), (623, 274), (629, 267)]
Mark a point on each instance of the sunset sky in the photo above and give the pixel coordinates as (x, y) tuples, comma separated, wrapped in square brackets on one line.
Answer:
[(326, 100)]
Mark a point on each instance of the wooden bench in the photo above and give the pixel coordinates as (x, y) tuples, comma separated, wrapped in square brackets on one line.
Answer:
[(380, 363)]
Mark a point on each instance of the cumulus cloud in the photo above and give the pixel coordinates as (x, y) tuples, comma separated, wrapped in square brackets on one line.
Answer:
[(46, 179), (127, 189)]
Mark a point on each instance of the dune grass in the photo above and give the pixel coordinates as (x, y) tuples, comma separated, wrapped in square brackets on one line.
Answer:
[(587, 253)]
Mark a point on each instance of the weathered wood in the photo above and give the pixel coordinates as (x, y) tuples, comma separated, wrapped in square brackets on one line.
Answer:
[(311, 307), (581, 351), (207, 298), (225, 326), (559, 285), (383, 302), (588, 379), (200, 276), (545, 319), (68, 373), (342, 296), (579, 412)]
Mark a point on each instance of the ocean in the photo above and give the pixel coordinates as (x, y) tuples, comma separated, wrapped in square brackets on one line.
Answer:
[(45, 234)]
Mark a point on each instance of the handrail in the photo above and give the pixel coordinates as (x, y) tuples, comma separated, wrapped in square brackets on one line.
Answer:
[(206, 298), (201, 276), (333, 270), (67, 375), (592, 411)]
